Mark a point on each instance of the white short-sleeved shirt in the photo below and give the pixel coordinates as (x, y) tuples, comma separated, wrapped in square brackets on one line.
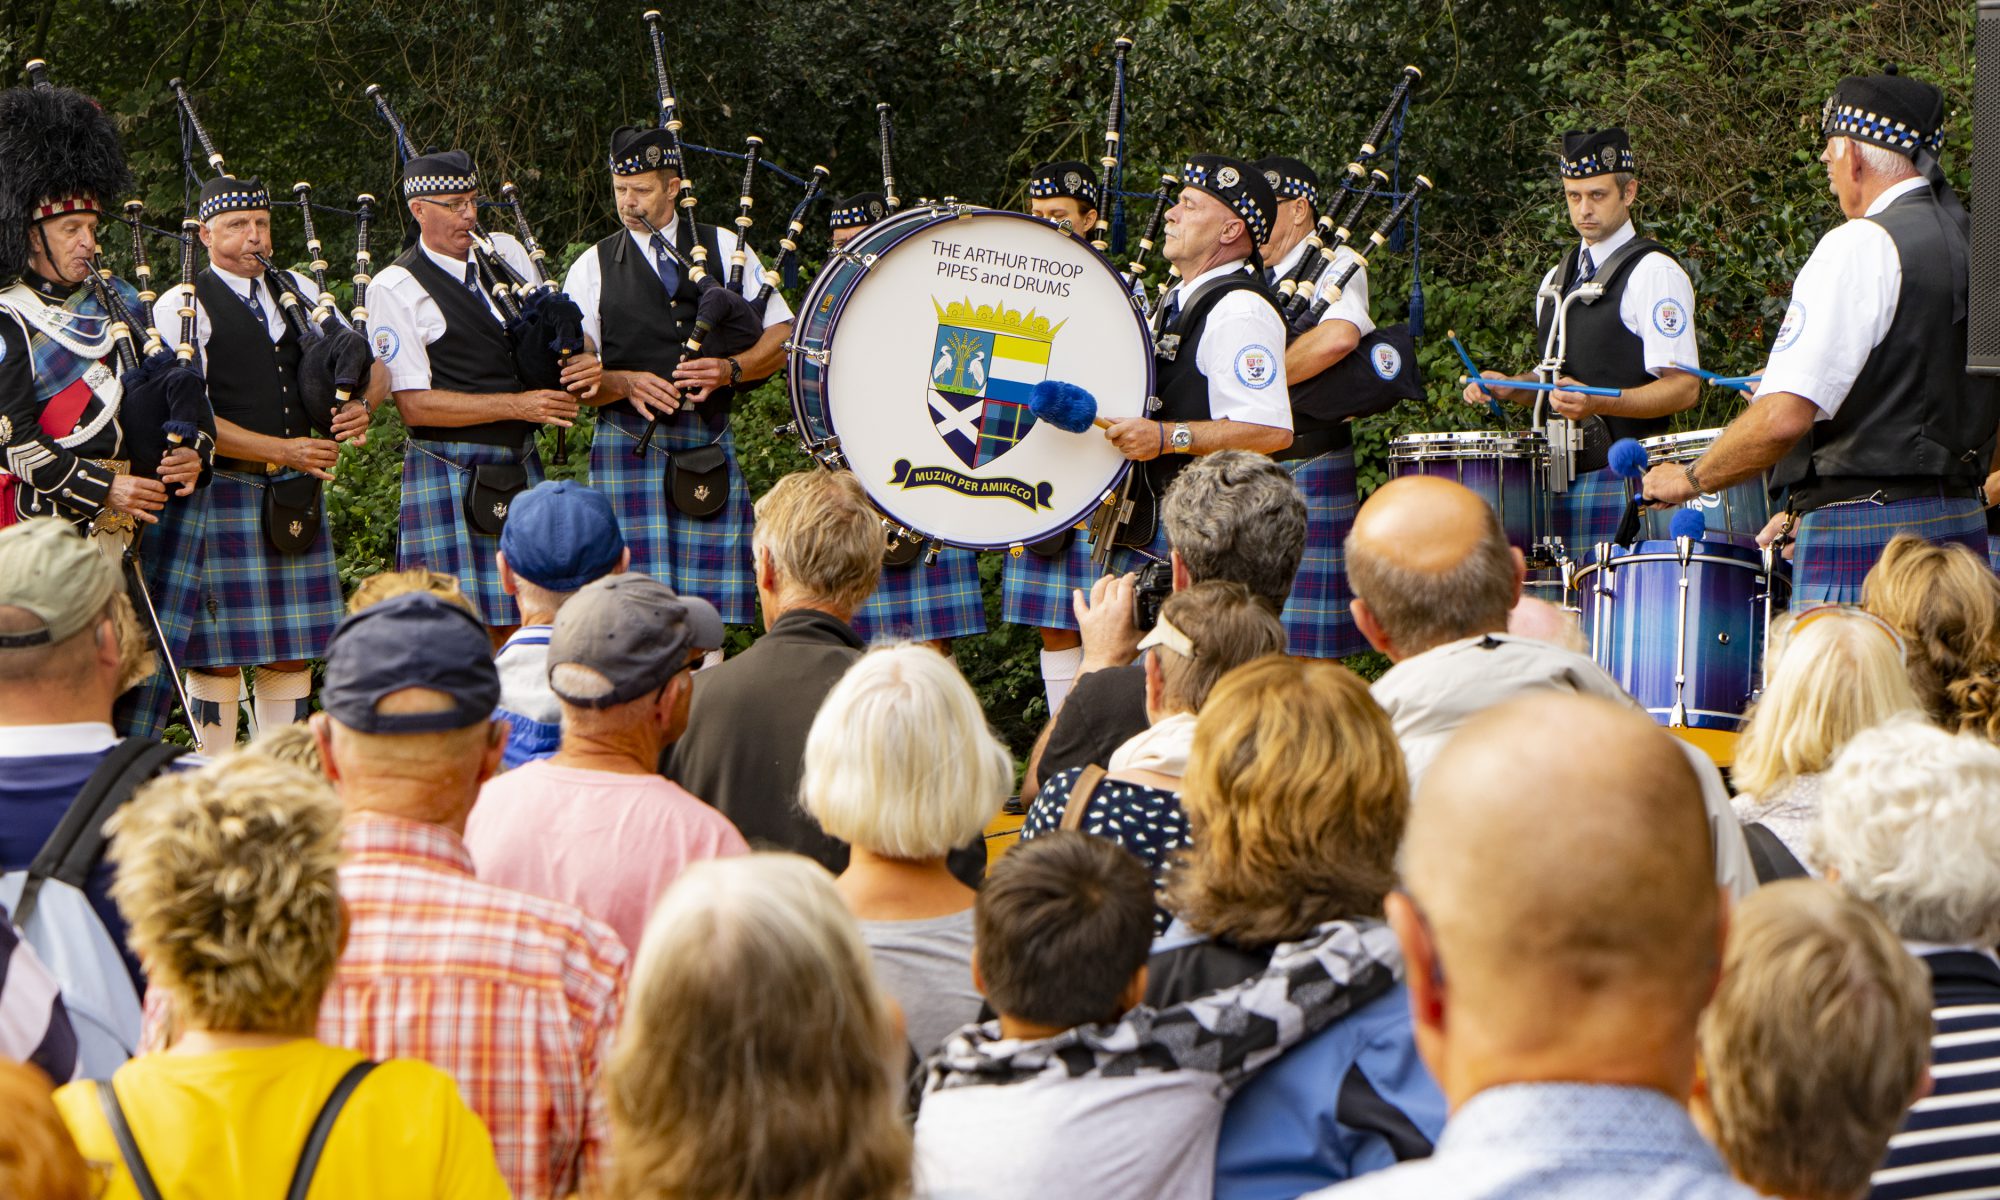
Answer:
[(1843, 303), (1352, 307), (585, 282), (167, 309), (1657, 307), (1242, 354), (403, 319)]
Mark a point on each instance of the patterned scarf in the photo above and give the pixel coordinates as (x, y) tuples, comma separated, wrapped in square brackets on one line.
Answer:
[(66, 343)]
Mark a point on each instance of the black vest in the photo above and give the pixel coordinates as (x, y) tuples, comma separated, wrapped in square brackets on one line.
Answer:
[(643, 326), (1912, 414), (474, 355), (251, 382), (1179, 383), (1600, 350)]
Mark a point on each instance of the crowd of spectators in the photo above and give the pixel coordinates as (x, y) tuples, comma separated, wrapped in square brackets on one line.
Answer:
[(609, 913)]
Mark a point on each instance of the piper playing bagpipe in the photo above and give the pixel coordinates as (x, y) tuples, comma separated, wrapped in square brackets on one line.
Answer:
[(249, 580), (640, 306), (66, 450), (436, 320)]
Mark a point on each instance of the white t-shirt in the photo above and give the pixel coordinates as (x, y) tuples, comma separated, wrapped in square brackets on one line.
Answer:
[(1843, 303), (1242, 354), (1657, 307), (403, 319)]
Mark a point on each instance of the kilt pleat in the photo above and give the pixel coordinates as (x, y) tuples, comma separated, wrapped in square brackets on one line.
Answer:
[(433, 534), (170, 559), (1317, 621), (1838, 544), (707, 557), (1035, 590), (924, 603), (257, 605)]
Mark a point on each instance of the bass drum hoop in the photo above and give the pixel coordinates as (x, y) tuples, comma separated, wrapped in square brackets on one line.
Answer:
[(878, 241)]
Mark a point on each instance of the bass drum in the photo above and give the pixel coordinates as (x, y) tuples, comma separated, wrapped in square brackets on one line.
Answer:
[(918, 348)]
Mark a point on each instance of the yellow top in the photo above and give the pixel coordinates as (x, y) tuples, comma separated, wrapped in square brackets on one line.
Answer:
[(231, 1124)]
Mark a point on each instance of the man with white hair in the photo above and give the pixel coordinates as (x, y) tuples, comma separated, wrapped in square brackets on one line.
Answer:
[(1865, 409), (1908, 824)]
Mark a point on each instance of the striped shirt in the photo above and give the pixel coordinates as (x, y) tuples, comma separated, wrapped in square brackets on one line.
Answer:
[(1950, 1141), (514, 996), (34, 1027)]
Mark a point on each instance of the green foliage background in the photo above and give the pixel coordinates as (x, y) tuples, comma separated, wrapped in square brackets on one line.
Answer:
[(1722, 98)]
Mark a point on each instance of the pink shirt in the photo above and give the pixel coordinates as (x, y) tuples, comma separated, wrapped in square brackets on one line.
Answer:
[(605, 842)]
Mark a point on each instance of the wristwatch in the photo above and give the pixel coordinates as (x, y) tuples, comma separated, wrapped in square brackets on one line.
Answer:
[(735, 372), (1182, 442), (1687, 472)]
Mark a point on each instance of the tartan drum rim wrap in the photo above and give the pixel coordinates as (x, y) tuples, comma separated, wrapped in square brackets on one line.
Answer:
[(1590, 511), (926, 603), (1035, 590), (1317, 621), (432, 533), (258, 606), (708, 557), (1838, 544)]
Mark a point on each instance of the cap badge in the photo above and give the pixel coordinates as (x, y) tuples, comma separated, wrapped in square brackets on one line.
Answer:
[(653, 155), (874, 210), (1073, 181), (1227, 177), (1272, 178)]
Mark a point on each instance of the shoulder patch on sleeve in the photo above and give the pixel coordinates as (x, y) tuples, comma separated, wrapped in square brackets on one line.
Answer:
[(1795, 324), (1256, 367), (387, 344), (1670, 318)]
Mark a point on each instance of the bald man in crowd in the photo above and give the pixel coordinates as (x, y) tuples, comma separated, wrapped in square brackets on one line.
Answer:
[(1434, 583), (1562, 933)]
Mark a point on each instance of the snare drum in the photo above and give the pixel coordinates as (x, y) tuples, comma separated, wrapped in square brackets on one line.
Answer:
[(1504, 468), (917, 350), (1683, 634), (1736, 514)]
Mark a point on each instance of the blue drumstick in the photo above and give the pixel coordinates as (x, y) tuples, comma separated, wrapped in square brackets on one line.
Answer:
[(1741, 383), (1736, 382), (1492, 401), (1536, 385)]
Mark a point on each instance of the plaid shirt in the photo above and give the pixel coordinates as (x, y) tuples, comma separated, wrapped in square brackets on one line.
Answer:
[(516, 997)]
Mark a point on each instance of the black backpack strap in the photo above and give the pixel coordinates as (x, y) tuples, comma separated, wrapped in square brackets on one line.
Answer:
[(128, 1147), (322, 1128), (1769, 856), (81, 829)]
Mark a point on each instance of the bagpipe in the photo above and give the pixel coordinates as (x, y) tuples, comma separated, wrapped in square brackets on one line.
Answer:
[(334, 356)]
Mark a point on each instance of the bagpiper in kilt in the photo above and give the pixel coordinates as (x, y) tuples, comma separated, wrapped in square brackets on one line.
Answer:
[(638, 309), (451, 365), (251, 573), (1865, 409)]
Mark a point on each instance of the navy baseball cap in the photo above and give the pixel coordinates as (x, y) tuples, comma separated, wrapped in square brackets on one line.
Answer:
[(561, 535), (416, 640)]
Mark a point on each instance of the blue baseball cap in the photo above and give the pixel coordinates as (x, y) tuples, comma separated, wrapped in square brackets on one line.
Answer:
[(561, 535), (416, 640)]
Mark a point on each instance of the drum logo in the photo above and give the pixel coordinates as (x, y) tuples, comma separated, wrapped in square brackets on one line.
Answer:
[(984, 367)]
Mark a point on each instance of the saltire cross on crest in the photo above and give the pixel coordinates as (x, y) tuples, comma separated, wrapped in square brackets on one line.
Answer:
[(984, 368)]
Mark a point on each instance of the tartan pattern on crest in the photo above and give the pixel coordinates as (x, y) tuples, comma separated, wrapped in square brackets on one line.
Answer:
[(924, 603), (1317, 623), (433, 533), (707, 557), (258, 606), (1839, 543), (1001, 428)]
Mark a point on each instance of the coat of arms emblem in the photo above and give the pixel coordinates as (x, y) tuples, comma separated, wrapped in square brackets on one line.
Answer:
[(984, 368)]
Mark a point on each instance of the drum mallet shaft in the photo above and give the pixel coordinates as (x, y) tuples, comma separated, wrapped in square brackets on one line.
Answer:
[(1536, 385), (1492, 401), (1740, 383)]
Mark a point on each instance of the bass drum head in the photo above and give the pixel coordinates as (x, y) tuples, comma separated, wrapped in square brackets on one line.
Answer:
[(933, 352)]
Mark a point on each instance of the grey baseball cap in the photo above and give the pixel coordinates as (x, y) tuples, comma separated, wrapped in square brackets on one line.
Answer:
[(52, 571), (633, 630)]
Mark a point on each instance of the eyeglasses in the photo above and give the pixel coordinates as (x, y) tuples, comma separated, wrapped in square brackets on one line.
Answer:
[(1813, 612), (457, 208)]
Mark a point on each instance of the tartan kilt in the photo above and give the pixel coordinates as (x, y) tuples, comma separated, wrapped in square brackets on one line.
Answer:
[(707, 557), (1035, 591), (1317, 623), (1993, 551), (433, 532), (259, 606), (1590, 511), (170, 558), (1838, 544), (925, 603), (1126, 559)]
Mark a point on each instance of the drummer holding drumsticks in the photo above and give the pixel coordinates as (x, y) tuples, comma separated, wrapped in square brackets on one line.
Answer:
[(1630, 338), (1220, 343), (1864, 404)]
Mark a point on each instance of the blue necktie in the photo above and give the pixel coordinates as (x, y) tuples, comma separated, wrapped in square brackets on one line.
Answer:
[(1171, 312), (472, 279), (670, 274), (257, 306), (1586, 269)]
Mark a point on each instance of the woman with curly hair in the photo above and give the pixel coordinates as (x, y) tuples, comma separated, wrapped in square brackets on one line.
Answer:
[(229, 879), (1945, 602)]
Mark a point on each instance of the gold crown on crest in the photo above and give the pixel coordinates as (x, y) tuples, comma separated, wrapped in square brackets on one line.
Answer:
[(1000, 319)]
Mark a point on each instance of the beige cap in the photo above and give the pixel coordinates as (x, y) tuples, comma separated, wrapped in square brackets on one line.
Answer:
[(49, 569)]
